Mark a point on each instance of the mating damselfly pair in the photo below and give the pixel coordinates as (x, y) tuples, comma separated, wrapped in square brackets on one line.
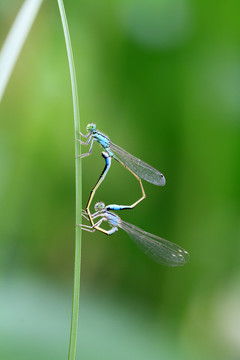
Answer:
[(160, 250)]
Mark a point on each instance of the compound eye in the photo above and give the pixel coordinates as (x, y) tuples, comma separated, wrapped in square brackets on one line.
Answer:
[(91, 127), (99, 206)]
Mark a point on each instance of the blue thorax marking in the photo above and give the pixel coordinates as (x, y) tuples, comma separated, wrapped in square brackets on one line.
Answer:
[(103, 140)]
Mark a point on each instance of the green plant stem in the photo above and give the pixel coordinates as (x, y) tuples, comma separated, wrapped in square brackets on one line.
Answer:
[(78, 173)]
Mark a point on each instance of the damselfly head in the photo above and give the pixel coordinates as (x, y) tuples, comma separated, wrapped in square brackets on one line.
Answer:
[(99, 206), (91, 127)]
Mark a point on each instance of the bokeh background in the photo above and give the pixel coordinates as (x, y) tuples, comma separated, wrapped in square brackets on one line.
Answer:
[(162, 79)]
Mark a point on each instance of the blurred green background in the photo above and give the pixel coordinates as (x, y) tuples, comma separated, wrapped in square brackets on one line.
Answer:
[(162, 79)]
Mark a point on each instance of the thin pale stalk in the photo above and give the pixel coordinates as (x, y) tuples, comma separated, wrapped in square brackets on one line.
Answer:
[(78, 172), (15, 40)]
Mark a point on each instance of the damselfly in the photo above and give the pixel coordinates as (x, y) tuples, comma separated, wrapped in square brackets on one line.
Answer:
[(138, 167), (162, 251)]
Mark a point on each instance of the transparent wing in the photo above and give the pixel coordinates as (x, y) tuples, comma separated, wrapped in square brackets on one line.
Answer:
[(160, 250), (139, 167)]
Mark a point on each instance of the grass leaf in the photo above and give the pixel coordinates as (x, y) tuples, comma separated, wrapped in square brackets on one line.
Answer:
[(15, 40)]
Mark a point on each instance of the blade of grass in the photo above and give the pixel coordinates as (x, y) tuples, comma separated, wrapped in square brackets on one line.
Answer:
[(15, 40), (78, 173)]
